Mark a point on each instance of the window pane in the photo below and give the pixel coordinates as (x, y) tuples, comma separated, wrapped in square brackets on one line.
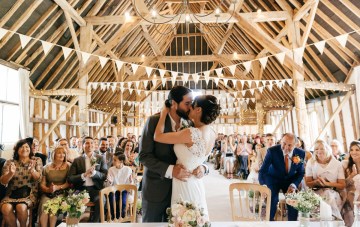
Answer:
[(3, 83), (13, 83), (11, 119)]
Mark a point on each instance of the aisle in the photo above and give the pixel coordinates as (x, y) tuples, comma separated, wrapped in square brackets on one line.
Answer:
[(217, 195)]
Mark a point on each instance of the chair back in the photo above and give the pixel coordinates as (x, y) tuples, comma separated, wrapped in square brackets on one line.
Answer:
[(253, 202), (113, 203)]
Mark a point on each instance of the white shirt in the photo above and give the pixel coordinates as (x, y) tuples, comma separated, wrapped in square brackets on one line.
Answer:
[(88, 180), (120, 176)]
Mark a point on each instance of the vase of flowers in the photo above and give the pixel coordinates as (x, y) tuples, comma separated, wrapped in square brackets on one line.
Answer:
[(73, 204), (184, 213), (305, 202)]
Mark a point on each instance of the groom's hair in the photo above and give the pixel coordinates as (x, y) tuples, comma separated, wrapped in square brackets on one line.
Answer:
[(176, 94)]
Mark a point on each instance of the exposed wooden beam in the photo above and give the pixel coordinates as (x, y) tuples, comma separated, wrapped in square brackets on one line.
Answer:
[(59, 92), (73, 34), (331, 119), (222, 18), (58, 119), (327, 85), (71, 11), (105, 121), (282, 119), (310, 21), (303, 10)]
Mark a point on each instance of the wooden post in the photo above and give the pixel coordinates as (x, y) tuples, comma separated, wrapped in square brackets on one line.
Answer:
[(343, 135), (105, 122), (85, 45)]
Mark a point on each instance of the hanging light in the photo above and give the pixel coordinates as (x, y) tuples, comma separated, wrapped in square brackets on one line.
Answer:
[(185, 13)]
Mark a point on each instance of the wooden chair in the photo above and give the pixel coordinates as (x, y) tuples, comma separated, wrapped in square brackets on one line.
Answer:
[(252, 198), (130, 213)]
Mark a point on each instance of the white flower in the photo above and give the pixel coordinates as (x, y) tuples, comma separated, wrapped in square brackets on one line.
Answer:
[(189, 215), (177, 209)]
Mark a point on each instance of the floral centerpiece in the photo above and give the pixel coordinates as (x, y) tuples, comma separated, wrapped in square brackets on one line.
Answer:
[(184, 213), (73, 203), (304, 201)]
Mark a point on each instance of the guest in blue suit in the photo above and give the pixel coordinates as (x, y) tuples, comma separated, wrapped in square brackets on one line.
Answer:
[(283, 168)]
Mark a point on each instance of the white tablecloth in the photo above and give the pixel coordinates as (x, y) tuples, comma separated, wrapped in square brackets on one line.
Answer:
[(217, 224)]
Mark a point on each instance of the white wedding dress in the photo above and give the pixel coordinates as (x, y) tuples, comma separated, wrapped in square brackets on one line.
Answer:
[(191, 157)]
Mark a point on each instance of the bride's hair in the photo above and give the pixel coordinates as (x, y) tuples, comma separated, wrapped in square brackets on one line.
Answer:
[(176, 94), (210, 108)]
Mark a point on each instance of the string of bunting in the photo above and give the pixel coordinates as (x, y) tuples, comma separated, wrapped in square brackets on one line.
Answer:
[(47, 47)]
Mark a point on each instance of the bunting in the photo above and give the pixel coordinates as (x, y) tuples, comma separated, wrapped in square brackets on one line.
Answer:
[(46, 46), (66, 52)]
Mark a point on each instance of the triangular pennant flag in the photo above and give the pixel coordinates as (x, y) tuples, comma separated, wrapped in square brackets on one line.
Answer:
[(270, 87), (253, 100), (263, 62), (289, 81), (113, 87), (257, 83), (320, 46), (243, 93), (186, 77), (148, 71), (2, 32), (195, 77), (107, 86), (137, 84), (280, 57), (174, 74), (163, 81), (252, 91), (216, 80), (299, 52), (66, 52), (145, 82), (234, 83), (173, 80), (94, 85), (218, 71), (134, 67), (242, 83), (102, 86), (138, 92), (225, 82), (130, 90), (24, 40), (46, 46), (232, 69), (153, 82), (207, 76), (162, 72), (119, 64), (342, 39), (85, 56), (261, 89), (279, 84), (247, 66), (103, 61)]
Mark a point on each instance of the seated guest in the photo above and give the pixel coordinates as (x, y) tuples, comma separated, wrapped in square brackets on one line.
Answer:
[(269, 142), (128, 148), (352, 170), (104, 151), (71, 154), (34, 145), (254, 165), (88, 172), (243, 150), (228, 149), (325, 175), (53, 183), (21, 175), (280, 172), (337, 150), (119, 174)]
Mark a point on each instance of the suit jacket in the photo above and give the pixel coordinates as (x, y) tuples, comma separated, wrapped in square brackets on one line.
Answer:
[(108, 157), (78, 167), (156, 158), (273, 170)]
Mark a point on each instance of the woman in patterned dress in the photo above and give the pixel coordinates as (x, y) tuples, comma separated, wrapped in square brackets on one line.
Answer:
[(21, 175)]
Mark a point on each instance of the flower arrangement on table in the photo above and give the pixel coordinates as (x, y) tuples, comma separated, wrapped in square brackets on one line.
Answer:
[(304, 201), (74, 203), (184, 213)]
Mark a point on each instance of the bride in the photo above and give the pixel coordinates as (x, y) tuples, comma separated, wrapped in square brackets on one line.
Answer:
[(192, 147)]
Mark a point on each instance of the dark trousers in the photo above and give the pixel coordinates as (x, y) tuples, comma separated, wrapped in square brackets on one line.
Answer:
[(117, 200), (94, 197), (155, 211), (275, 189)]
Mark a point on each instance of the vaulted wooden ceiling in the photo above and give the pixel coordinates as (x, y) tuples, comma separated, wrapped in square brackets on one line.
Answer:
[(252, 35)]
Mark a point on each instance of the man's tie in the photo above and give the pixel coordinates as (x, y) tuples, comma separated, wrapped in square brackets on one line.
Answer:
[(286, 163)]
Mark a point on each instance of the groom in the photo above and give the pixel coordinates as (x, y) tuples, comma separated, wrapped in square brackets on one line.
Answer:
[(159, 159), (283, 168)]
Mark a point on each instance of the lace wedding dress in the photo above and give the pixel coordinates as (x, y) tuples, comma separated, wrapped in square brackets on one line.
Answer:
[(191, 157)]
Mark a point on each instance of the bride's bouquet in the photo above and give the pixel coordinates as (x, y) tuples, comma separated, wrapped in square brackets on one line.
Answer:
[(184, 213)]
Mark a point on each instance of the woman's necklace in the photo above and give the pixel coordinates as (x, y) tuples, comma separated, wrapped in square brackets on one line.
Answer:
[(57, 167)]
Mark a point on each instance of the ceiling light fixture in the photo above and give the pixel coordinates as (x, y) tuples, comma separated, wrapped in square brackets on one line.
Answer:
[(159, 15)]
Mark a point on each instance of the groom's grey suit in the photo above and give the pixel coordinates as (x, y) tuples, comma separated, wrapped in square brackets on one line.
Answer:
[(156, 158)]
